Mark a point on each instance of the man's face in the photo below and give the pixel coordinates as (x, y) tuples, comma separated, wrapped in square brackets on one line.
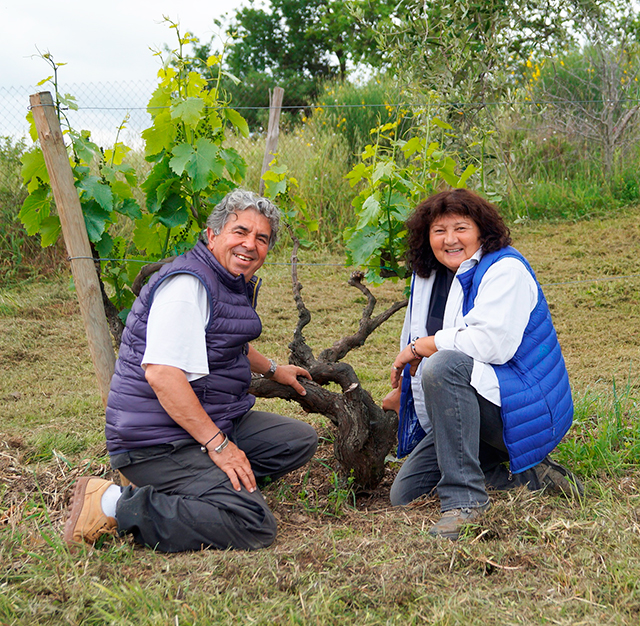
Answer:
[(242, 246)]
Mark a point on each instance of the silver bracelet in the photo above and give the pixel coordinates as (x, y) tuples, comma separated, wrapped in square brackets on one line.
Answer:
[(222, 446), (203, 447)]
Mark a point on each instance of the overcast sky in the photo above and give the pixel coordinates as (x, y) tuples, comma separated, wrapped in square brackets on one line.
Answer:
[(100, 41)]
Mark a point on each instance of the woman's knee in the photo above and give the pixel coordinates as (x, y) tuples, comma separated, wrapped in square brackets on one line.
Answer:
[(444, 364), (398, 494)]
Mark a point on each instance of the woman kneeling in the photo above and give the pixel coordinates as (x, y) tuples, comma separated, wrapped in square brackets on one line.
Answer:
[(487, 376)]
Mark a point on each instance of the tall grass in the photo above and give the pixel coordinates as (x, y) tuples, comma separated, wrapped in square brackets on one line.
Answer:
[(545, 174), (353, 110), (605, 437)]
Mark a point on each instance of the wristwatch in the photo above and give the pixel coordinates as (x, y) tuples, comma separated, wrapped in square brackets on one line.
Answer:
[(272, 369)]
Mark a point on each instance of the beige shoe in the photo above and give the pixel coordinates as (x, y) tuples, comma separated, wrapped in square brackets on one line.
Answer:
[(86, 521), (556, 479), (453, 521)]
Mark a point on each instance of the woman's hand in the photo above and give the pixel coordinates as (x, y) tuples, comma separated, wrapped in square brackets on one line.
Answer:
[(391, 402), (422, 347), (406, 356)]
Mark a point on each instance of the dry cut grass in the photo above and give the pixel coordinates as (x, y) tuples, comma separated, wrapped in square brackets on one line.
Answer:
[(341, 556)]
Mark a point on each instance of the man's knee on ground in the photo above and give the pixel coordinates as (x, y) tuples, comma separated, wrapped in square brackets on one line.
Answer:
[(303, 443), (309, 440), (267, 534)]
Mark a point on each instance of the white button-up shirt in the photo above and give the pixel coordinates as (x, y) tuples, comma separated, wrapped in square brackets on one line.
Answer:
[(490, 333)]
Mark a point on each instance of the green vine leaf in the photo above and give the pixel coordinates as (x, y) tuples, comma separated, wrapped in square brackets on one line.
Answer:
[(35, 209), (235, 164), (370, 211), (34, 170), (50, 229), (364, 243), (96, 218), (95, 189), (201, 162), (146, 236), (160, 137), (237, 120), (130, 208), (173, 211), (189, 111), (85, 149), (104, 245)]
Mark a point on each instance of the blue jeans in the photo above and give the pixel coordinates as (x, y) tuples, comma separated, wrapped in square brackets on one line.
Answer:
[(465, 453)]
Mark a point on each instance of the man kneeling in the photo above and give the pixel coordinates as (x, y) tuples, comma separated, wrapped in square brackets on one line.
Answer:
[(180, 424)]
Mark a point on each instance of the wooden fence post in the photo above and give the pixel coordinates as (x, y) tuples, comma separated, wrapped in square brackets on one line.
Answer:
[(271, 147), (76, 239)]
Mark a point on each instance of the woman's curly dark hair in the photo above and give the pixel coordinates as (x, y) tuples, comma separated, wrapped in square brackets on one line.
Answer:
[(494, 234)]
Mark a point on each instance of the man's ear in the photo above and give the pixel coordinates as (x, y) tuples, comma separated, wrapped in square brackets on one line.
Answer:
[(210, 236)]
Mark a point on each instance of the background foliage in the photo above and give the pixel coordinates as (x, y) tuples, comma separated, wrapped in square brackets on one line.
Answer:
[(536, 124)]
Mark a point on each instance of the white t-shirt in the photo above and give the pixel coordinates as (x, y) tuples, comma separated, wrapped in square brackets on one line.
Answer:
[(176, 326)]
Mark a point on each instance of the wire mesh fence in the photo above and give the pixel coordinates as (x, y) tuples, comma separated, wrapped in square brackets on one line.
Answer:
[(317, 143), (102, 107)]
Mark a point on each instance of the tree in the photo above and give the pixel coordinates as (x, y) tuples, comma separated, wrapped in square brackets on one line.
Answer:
[(296, 45), (592, 91), (463, 51), (365, 432), (306, 37), (300, 44)]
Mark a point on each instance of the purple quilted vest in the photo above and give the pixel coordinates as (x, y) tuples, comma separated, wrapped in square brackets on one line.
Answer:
[(135, 418)]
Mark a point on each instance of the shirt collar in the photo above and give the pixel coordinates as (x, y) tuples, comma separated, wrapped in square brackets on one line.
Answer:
[(469, 263)]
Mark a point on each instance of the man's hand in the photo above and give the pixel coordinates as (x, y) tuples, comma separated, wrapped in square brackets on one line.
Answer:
[(288, 375), (284, 374), (235, 464), (180, 402)]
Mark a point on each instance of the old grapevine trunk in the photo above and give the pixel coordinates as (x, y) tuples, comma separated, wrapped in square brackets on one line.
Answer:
[(365, 433)]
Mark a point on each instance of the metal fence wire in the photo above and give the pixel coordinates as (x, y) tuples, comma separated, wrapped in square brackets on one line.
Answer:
[(102, 107)]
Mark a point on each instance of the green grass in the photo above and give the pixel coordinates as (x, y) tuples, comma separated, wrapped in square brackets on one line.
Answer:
[(341, 556), (606, 433)]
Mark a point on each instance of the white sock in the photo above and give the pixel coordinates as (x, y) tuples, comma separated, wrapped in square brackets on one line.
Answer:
[(109, 500)]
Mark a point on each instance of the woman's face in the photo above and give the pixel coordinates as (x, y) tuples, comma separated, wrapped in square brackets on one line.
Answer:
[(454, 239)]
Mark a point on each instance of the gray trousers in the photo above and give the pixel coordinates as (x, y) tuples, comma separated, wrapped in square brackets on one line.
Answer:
[(183, 501), (465, 454)]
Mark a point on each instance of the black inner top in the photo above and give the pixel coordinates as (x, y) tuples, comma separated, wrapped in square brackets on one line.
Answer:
[(439, 295)]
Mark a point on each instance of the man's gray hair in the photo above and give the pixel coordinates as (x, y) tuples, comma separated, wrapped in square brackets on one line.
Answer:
[(240, 200)]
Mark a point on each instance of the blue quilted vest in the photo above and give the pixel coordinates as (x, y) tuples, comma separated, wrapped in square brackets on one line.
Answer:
[(135, 418), (537, 409)]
